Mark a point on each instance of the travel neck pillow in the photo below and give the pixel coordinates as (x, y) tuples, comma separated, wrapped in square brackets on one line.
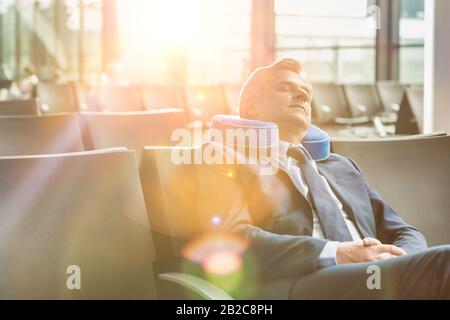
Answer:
[(316, 141)]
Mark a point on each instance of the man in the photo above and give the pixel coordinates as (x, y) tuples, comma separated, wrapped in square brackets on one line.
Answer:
[(317, 226)]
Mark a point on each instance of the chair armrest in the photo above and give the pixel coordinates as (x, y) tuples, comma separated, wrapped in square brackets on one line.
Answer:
[(350, 121), (324, 108), (203, 288), (379, 127), (387, 117), (395, 107)]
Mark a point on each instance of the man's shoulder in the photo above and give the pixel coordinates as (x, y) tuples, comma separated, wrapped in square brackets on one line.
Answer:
[(334, 157), (338, 162)]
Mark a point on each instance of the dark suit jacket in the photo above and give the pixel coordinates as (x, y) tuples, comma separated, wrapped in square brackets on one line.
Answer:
[(277, 220)]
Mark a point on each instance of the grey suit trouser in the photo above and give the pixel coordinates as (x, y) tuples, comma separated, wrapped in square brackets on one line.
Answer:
[(423, 275)]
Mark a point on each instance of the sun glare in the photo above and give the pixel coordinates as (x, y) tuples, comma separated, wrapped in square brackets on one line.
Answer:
[(219, 254), (171, 23), (222, 263)]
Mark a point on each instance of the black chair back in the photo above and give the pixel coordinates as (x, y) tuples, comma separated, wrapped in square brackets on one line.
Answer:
[(329, 103), (391, 95), (363, 99), (133, 130), (412, 175), (28, 135), (161, 97), (118, 98), (29, 107), (58, 98), (74, 219)]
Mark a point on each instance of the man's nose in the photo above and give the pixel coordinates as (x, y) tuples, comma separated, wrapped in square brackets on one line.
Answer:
[(300, 95)]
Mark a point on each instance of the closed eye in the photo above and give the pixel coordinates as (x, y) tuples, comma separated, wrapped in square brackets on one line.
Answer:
[(285, 87), (294, 89)]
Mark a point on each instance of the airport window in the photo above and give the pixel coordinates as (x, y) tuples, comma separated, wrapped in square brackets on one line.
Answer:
[(412, 28), (56, 36), (7, 45), (199, 41), (192, 42), (335, 41)]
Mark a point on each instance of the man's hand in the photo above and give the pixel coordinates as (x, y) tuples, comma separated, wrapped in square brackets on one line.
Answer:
[(366, 250)]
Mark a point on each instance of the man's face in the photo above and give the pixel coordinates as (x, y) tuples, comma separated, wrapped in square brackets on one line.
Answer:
[(286, 101)]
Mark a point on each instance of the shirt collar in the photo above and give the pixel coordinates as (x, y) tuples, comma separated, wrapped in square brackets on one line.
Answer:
[(284, 146)]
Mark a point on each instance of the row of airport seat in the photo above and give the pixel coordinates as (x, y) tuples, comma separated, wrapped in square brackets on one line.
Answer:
[(124, 226), (333, 101), (336, 106), (61, 133), (200, 102)]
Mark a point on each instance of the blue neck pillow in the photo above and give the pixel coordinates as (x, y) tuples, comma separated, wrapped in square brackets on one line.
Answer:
[(316, 141)]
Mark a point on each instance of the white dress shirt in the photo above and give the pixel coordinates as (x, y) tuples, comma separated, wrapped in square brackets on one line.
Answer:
[(289, 166)]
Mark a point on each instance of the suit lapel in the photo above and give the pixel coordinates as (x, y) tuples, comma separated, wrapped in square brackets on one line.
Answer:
[(352, 192)]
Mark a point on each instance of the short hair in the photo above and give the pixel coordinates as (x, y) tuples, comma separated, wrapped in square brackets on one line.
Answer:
[(254, 86)]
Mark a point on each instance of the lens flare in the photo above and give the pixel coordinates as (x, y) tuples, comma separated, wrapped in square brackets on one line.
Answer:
[(200, 96), (222, 263), (219, 254), (216, 220)]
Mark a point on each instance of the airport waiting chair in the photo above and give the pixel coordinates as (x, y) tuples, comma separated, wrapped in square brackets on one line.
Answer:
[(204, 102), (329, 103), (363, 100), (58, 98), (188, 202), (179, 207), (75, 226), (133, 130), (185, 203), (86, 97), (29, 107), (391, 95), (155, 96), (331, 112), (28, 135), (412, 175), (118, 98), (5, 84), (410, 118)]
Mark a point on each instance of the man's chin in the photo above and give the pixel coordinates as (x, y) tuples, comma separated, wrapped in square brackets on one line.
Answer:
[(299, 127), (303, 123)]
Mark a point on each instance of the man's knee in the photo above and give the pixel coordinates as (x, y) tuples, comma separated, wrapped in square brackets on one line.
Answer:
[(440, 252), (444, 253), (440, 258), (442, 271), (427, 274)]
